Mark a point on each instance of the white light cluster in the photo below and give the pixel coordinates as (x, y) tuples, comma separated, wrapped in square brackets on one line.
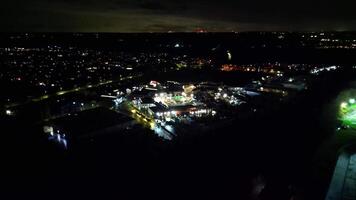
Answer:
[(318, 70), (202, 112), (58, 137), (167, 113), (230, 99)]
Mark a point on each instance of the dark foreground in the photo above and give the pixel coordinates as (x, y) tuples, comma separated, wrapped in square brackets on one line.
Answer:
[(274, 150)]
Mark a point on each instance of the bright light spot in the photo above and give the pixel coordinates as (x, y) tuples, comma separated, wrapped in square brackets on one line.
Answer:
[(343, 105), (229, 55), (152, 125), (8, 112), (352, 101), (133, 111)]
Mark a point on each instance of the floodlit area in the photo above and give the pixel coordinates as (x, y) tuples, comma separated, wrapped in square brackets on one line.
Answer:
[(174, 99), (229, 96), (348, 113), (163, 107), (350, 117)]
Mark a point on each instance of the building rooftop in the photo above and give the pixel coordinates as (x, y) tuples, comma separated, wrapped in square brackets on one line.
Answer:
[(87, 122)]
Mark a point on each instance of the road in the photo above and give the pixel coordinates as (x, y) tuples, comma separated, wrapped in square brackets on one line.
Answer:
[(147, 121)]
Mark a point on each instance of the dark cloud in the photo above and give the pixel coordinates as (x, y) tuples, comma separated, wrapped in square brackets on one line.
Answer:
[(176, 15)]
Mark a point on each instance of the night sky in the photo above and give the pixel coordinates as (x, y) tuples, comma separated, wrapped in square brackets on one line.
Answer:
[(177, 15)]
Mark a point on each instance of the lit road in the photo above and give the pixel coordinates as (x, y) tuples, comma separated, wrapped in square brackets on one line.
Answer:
[(149, 122), (63, 92), (140, 117)]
